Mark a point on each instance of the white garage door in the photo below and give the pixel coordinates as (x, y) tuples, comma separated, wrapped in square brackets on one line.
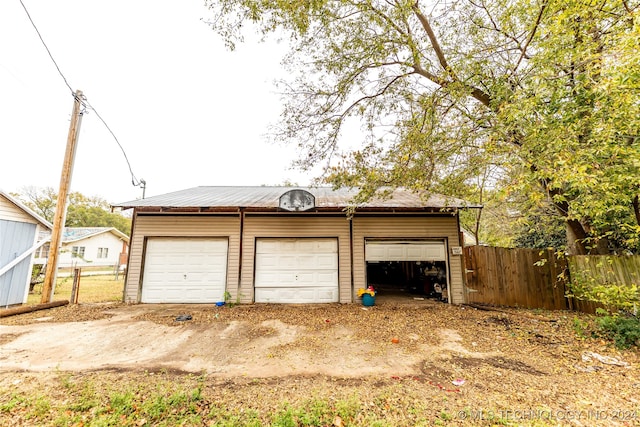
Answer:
[(184, 270), (405, 250), (296, 270)]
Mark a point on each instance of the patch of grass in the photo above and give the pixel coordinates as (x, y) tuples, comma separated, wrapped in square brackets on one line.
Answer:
[(372, 421), (87, 398), (121, 403), (246, 420), (284, 418), (13, 402), (348, 408), (92, 289), (220, 416), (38, 407), (30, 407), (313, 412), (165, 403), (445, 416)]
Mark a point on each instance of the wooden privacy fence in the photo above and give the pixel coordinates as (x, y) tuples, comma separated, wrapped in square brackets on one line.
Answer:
[(606, 269), (533, 278), (603, 270), (515, 277)]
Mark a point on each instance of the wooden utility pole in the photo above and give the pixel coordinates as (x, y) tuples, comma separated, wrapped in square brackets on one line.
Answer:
[(63, 193)]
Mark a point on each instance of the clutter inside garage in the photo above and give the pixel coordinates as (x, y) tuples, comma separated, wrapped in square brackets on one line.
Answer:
[(414, 278)]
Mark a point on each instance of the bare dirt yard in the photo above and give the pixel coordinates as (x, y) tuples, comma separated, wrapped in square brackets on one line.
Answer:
[(396, 364)]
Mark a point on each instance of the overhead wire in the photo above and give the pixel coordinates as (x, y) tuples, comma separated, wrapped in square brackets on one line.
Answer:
[(134, 180), (46, 48), (84, 100)]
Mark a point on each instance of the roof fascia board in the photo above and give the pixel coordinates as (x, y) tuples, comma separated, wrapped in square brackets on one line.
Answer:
[(27, 210)]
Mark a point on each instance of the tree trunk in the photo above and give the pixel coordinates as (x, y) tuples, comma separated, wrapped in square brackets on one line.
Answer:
[(577, 233), (575, 238), (636, 208)]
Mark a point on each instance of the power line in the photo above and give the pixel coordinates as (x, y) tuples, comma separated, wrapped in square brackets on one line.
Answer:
[(85, 102), (47, 48), (134, 180)]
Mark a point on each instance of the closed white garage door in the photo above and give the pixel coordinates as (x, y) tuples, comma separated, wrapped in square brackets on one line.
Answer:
[(296, 270), (184, 270), (384, 250)]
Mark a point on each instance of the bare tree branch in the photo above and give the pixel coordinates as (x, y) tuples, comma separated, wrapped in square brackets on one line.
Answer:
[(531, 35), (478, 94)]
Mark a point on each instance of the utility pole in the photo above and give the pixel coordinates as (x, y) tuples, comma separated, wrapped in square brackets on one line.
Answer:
[(63, 193)]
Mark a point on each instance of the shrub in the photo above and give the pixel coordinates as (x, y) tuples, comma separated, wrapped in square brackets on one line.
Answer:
[(612, 296), (623, 330)]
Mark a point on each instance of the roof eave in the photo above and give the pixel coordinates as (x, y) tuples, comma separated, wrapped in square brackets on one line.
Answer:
[(27, 210), (270, 209)]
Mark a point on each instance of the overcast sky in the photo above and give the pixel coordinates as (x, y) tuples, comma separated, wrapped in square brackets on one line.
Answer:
[(186, 110)]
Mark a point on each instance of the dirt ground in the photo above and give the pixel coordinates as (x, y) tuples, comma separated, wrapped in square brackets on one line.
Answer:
[(511, 359), (256, 341)]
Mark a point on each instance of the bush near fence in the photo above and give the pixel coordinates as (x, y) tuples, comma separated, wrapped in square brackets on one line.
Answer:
[(613, 280), (533, 278)]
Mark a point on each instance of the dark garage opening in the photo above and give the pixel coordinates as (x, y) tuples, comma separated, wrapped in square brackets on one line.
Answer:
[(425, 279)]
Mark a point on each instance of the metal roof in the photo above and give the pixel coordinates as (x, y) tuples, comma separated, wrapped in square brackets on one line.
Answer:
[(268, 198), (74, 234)]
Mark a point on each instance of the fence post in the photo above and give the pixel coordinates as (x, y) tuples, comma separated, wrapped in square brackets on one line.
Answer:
[(75, 290)]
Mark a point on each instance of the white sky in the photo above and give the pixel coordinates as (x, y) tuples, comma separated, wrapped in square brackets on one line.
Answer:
[(186, 110)]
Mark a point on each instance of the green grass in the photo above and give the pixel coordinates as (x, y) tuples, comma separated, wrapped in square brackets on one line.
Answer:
[(158, 404), (92, 289), (165, 400)]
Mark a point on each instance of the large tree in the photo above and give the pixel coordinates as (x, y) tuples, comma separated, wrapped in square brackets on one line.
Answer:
[(545, 91), (82, 211)]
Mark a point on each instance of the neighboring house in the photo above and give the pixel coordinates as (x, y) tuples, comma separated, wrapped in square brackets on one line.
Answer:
[(89, 247), (284, 245), (20, 235)]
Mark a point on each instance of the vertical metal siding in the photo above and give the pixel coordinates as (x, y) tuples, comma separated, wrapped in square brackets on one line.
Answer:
[(291, 227), (182, 226), (408, 227), (15, 239)]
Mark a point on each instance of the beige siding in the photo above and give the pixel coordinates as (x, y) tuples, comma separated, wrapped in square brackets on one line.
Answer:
[(182, 226), (10, 212), (295, 226), (440, 227), (409, 227)]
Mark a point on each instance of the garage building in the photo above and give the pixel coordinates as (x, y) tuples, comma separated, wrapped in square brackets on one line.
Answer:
[(291, 245)]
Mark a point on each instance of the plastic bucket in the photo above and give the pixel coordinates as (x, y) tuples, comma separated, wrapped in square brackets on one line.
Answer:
[(368, 300)]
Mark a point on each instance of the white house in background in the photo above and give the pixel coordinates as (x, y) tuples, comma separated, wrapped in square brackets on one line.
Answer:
[(89, 247), (21, 233)]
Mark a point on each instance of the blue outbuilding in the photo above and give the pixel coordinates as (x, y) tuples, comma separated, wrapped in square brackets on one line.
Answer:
[(20, 236)]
